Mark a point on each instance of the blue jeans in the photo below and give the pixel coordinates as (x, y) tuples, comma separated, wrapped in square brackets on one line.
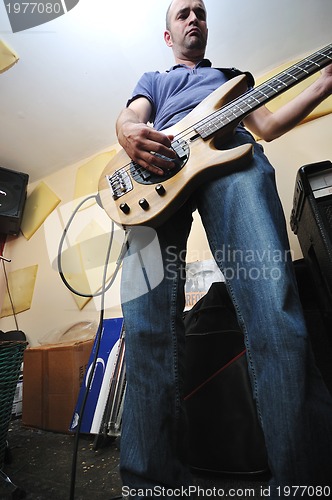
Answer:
[(244, 223)]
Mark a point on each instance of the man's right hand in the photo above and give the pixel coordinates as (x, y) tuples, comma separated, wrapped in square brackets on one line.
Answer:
[(144, 145)]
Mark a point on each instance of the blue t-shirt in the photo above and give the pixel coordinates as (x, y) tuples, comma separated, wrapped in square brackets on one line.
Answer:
[(174, 93)]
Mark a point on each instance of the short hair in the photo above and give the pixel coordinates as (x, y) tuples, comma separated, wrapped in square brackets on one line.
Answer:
[(168, 23)]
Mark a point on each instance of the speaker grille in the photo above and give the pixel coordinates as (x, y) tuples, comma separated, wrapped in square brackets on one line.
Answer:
[(13, 186), (325, 208), (328, 213)]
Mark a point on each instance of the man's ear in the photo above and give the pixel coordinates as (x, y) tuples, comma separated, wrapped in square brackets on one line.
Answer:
[(168, 38)]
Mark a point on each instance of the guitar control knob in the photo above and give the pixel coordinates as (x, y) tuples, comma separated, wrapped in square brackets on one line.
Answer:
[(160, 189), (125, 208), (144, 204)]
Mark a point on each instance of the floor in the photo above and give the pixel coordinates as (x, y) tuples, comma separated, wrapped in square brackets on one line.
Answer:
[(41, 464)]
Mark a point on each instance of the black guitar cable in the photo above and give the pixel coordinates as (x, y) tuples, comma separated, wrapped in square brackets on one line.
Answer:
[(119, 260)]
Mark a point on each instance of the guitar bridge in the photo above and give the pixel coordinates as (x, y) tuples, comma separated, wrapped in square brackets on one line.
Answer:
[(119, 183)]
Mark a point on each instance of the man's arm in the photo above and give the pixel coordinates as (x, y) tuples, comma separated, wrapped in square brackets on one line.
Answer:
[(141, 141), (268, 126)]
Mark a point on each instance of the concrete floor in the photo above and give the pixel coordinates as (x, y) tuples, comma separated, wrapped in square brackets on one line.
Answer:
[(41, 463)]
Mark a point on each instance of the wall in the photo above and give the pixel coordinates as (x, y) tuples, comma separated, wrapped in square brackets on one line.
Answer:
[(55, 308)]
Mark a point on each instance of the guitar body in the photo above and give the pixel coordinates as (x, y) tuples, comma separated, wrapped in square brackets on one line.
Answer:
[(203, 162)]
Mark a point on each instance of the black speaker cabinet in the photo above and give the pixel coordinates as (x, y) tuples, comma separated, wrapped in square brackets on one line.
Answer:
[(13, 189), (311, 221)]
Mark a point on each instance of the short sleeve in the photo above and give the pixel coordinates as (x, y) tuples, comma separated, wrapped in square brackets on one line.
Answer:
[(144, 88)]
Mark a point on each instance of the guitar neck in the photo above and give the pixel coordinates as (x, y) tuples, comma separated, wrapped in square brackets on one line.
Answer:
[(231, 114)]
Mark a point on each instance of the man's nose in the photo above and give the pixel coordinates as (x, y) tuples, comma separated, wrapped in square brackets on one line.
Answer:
[(193, 19)]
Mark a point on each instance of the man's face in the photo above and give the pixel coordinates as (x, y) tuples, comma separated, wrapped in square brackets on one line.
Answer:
[(187, 29)]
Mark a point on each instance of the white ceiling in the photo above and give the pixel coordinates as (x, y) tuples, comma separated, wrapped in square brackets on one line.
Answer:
[(59, 103)]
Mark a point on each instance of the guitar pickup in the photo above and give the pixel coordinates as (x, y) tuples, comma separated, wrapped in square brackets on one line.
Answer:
[(144, 174), (180, 148)]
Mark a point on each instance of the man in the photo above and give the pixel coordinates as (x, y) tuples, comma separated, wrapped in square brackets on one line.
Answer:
[(239, 211)]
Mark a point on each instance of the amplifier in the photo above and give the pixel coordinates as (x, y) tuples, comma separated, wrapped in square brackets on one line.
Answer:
[(311, 221), (13, 189)]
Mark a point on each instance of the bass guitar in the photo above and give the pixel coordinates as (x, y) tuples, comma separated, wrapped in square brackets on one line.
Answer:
[(133, 196)]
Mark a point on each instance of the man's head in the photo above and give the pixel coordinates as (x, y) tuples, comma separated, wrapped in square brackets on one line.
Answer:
[(186, 29)]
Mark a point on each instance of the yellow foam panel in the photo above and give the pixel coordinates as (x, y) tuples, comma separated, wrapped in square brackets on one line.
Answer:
[(88, 175), (21, 285), (40, 203), (79, 282), (7, 57)]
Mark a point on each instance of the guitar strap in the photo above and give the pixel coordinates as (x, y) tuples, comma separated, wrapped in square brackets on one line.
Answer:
[(232, 72)]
